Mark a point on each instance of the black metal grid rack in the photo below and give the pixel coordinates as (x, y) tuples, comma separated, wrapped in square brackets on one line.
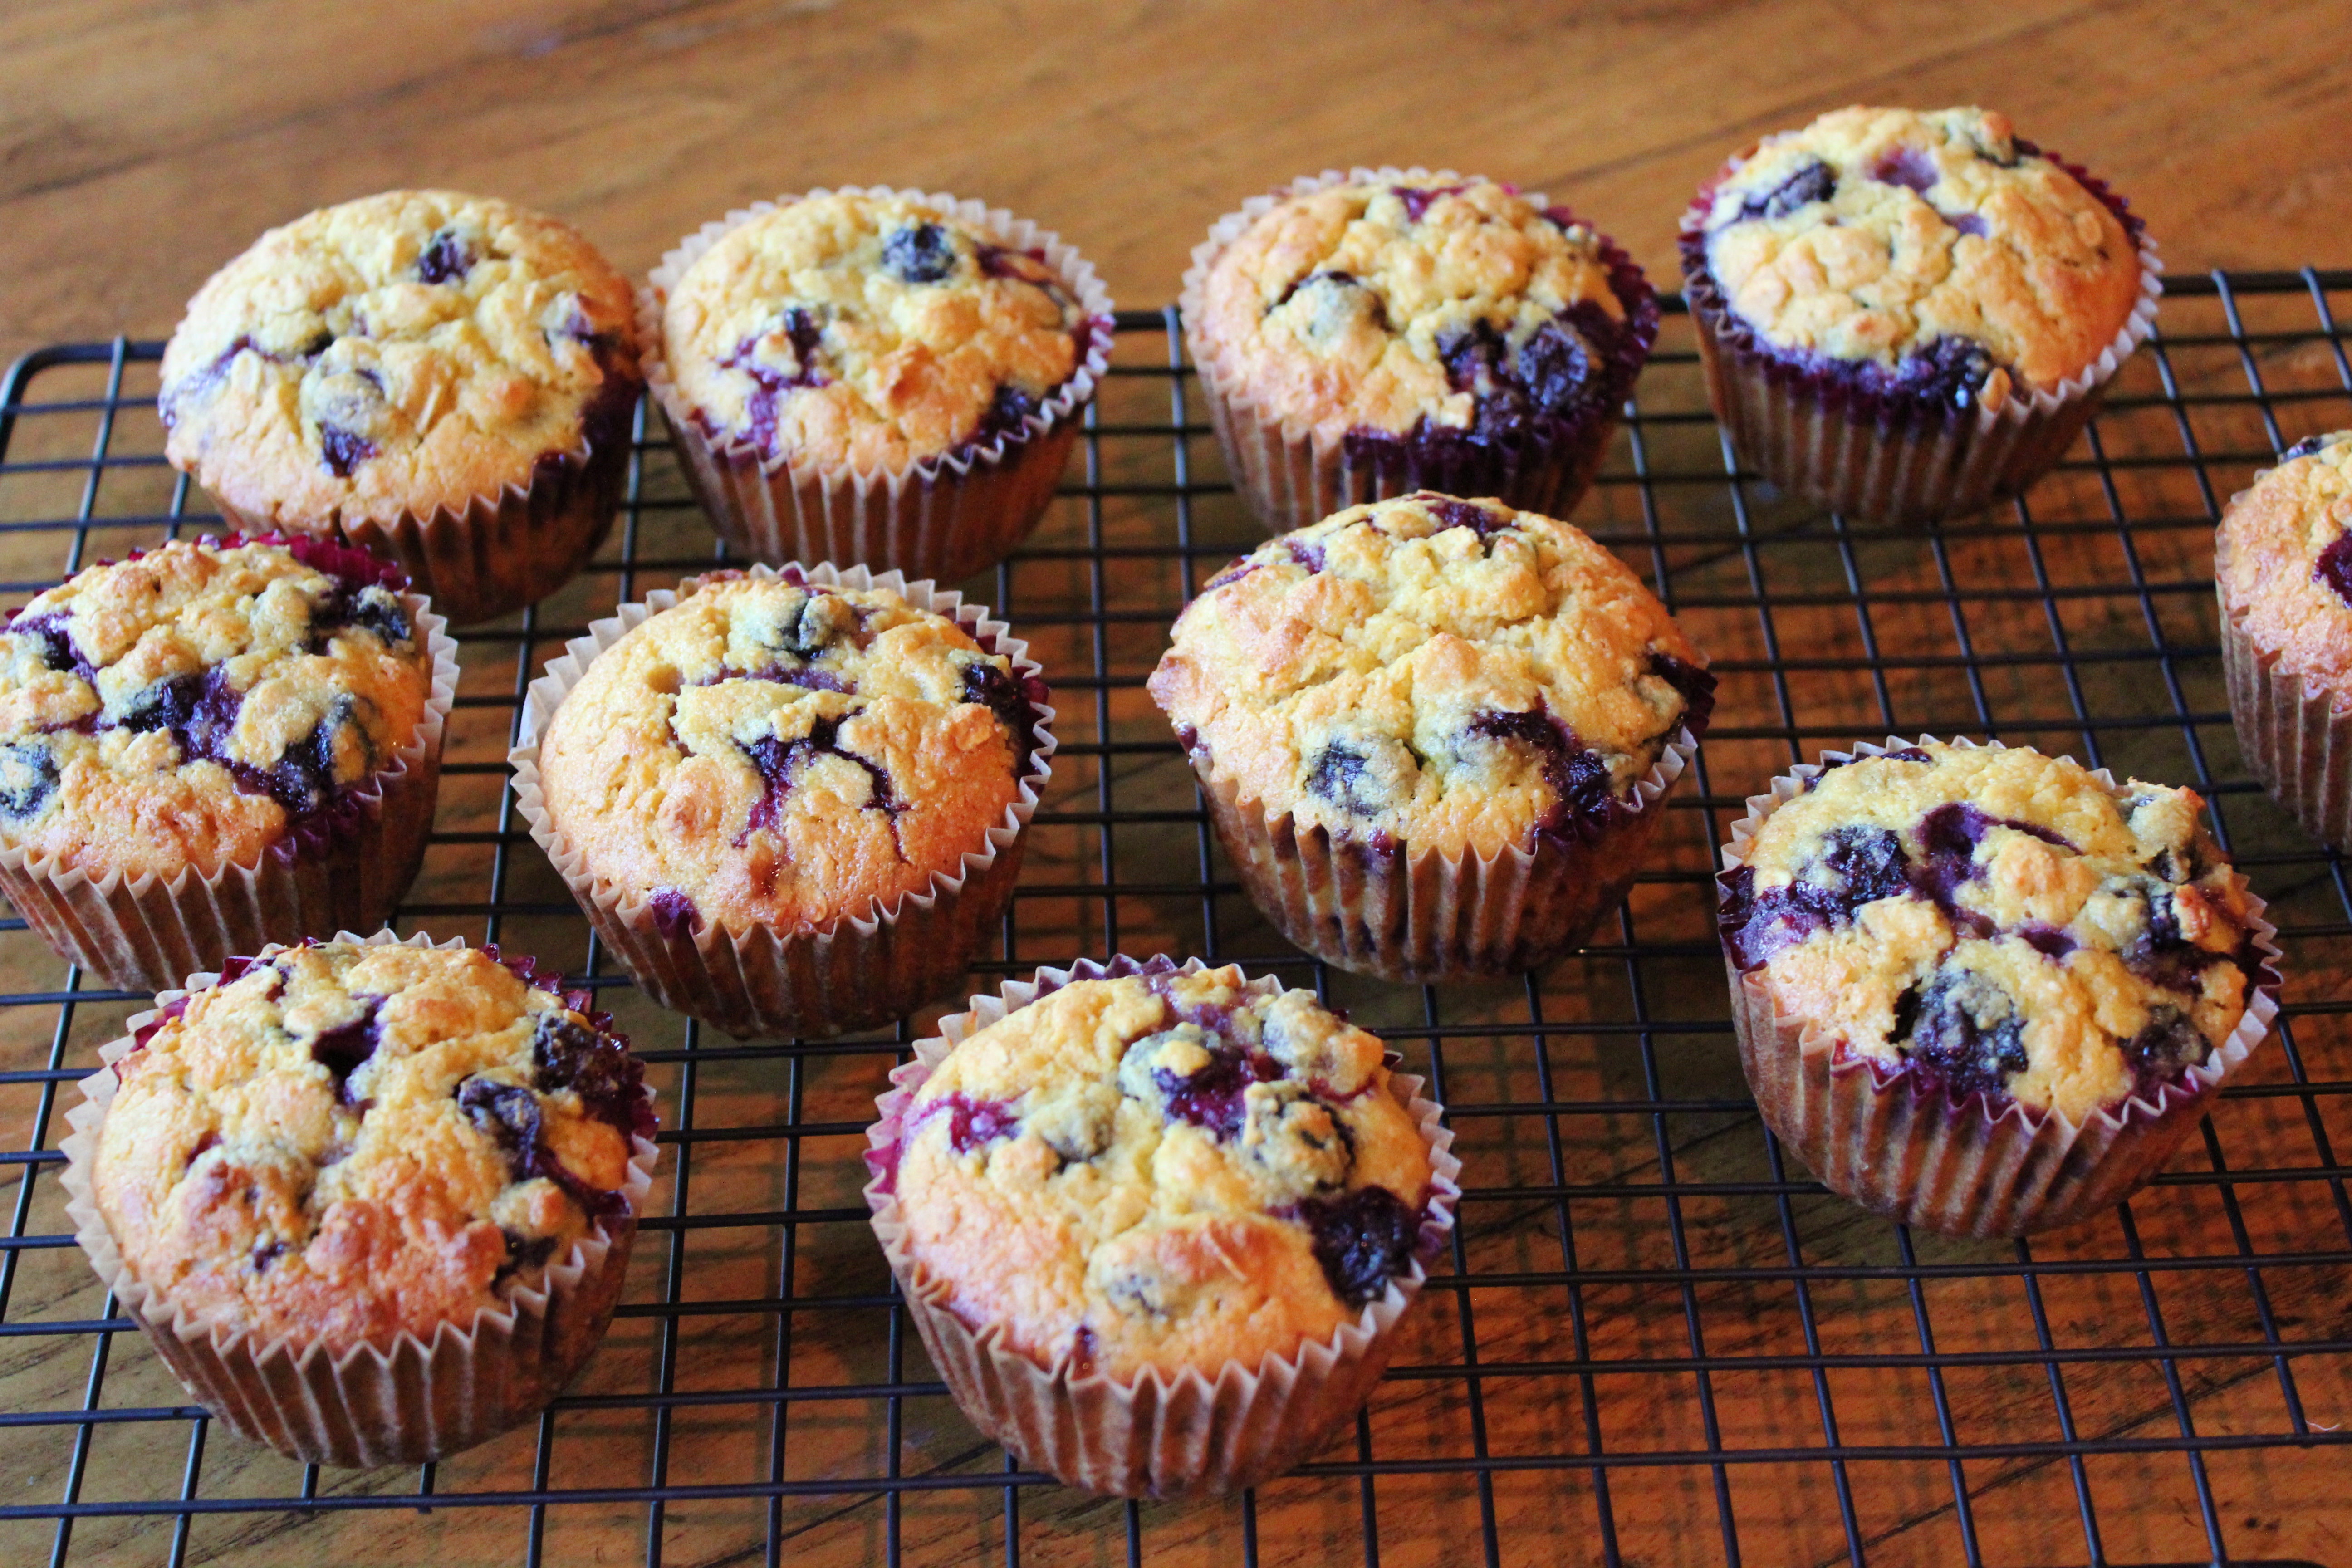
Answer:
[(1654, 1341)]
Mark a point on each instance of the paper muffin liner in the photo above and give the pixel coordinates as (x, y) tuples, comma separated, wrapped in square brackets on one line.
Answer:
[(344, 869), (1291, 476), (1873, 1133), (943, 518), (1154, 1434), (403, 1404), (2296, 739), (498, 553), (1426, 915), (853, 972), (1889, 458)]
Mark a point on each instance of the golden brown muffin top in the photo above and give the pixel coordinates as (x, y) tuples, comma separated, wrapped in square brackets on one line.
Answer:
[(2286, 561)]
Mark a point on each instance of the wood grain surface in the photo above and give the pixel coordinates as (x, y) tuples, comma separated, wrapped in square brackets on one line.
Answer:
[(143, 145)]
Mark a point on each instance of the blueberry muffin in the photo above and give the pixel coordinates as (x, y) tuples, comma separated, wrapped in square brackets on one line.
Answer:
[(1996, 943), (2282, 568), (214, 744), (1158, 1174), (340, 1145), (1908, 314), (446, 379), (1369, 336), (872, 335), (1428, 677), (777, 754)]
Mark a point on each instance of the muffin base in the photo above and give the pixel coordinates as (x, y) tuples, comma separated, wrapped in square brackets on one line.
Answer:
[(2295, 739), (853, 974), (1962, 1166), (1291, 476), (1153, 1435), (942, 518), (1426, 917), (144, 933), (405, 1404)]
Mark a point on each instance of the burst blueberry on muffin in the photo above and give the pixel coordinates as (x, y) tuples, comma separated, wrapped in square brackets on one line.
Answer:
[(200, 708), (443, 378), (1918, 271), (1433, 675), (2283, 567), (1454, 334)]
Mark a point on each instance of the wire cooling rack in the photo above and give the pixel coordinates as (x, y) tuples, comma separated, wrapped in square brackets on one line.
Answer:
[(1654, 1341)]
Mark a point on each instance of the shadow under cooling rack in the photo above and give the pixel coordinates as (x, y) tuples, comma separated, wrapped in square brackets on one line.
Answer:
[(1655, 1342)]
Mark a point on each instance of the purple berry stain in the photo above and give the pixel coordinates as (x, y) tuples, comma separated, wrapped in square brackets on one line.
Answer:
[(1418, 199), (674, 915), (1816, 181), (1907, 168), (342, 1049), (2334, 567), (444, 260), (1363, 1240)]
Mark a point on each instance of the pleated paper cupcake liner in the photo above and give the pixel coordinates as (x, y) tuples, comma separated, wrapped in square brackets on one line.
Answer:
[(1151, 1435), (852, 974), (404, 1402), (2296, 739), (1873, 1133), (345, 870), (1888, 458), (942, 518), (498, 553), (1423, 916), (1291, 476)]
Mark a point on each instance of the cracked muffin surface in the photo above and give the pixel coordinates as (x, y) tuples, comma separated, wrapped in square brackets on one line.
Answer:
[(192, 707), (1434, 672), (2287, 558), (348, 1142), (770, 751), (1997, 921), (1161, 1171), (396, 355)]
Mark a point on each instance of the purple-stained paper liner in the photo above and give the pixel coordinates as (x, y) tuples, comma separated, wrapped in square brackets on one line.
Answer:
[(2295, 737), (943, 518), (1863, 451), (1875, 1133), (859, 970), (344, 869), (1292, 476), (1155, 1434), (404, 1402)]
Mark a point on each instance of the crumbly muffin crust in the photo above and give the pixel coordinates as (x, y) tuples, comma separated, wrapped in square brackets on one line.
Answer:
[(770, 751), (1997, 921), (193, 705), (1387, 310), (344, 1143), (1162, 1170), (1935, 244), (1449, 674), (2286, 561), (398, 353), (869, 331)]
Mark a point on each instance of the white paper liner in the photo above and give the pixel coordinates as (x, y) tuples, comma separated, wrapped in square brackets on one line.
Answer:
[(404, 1404), (1807, 445), (1428, 917), (943, 518), (2296, 739), (1153, 1435), (144, 932), (1920, 1157), (857, 971), (1290, 474)]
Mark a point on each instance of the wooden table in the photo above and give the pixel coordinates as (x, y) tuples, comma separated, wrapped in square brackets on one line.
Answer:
[(144, 147)]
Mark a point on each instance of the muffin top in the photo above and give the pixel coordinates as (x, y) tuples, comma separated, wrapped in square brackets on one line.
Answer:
[(394, 354), (1162, 1170), (1374, 309), (868, 329), (194, 704), (347, 1141), (770, 751), (1960, 261), (1450, 674), (2285, 563), (1997, 921)]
